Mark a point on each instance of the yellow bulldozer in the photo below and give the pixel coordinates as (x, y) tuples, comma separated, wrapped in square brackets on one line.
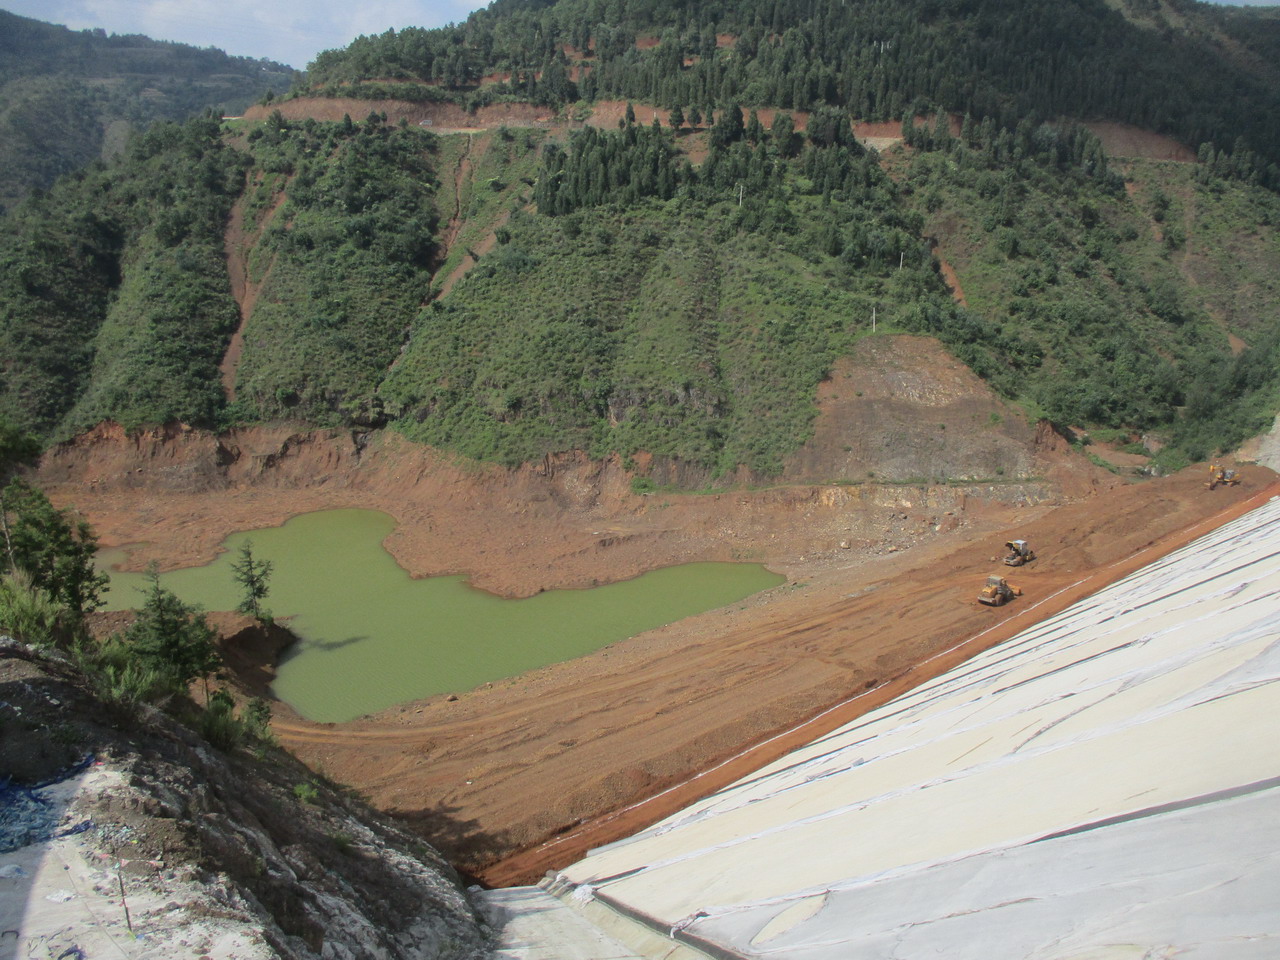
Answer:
[(1219, 474), (998, 591)]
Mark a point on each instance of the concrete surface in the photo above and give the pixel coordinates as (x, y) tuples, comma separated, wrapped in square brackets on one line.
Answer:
[(533, 925)]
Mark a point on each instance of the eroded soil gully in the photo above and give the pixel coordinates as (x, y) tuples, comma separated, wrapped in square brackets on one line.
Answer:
[(237, 245)]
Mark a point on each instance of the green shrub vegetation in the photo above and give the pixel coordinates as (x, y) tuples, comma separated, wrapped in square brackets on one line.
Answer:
[(658, 310), (30, 613), (1088, 313), (225, 728), (349, 258), (114, 300), (47, 586), (50, 547), (519, 292)]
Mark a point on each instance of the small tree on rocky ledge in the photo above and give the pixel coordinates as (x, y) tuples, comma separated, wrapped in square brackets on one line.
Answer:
[(254, 576), (172, 637)]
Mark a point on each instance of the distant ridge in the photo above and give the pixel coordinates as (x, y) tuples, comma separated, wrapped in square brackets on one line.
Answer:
[(69, 97)]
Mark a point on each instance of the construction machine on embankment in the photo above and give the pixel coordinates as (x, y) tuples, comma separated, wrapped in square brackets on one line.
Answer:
[(1020, 552), (1219, 474), (998, 591)]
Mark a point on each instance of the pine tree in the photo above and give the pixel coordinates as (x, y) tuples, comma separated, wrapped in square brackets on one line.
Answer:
[(51, 547), (16, 448), (253, 575), (171, 636)]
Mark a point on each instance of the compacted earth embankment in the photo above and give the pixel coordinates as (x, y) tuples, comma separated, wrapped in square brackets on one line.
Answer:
[(563, 754)]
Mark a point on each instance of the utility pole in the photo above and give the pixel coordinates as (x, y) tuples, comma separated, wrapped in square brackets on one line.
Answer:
[(739, 194), (902, 255), (873, 318)]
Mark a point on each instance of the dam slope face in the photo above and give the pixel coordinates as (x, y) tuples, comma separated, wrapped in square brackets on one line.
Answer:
[(1105, 784)]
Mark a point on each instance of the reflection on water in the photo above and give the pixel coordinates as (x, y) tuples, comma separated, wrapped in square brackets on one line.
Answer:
[(374, 637)]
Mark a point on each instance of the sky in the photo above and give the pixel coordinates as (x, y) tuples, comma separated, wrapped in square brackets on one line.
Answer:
[(289, 31)]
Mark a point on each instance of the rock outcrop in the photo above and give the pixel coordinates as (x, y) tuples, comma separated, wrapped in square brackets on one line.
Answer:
[(142, 840)]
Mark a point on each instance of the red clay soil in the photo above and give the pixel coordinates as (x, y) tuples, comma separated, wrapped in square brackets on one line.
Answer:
[(496, 773), (953, 280), (882, 577), (529, 865), (492, 777), (897, 410), (1118, 139), (1123, 140), (441, 116)]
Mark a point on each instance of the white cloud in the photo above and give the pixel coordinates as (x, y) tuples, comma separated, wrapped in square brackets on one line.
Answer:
[(293, 31)]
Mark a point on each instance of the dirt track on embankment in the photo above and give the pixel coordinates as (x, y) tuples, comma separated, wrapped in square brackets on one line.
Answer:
[(1118, 139), (881, 592)]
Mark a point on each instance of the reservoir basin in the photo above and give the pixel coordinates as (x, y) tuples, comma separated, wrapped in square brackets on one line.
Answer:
[(371, 636)]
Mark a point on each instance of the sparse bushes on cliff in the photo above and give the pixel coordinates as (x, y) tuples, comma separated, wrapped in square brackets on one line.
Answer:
[(50, 548), (30, 614)]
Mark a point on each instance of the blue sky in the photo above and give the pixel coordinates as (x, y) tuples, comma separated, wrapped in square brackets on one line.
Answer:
[(291, 31)]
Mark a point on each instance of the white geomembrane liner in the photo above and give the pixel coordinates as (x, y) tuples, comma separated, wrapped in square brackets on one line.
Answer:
[(1105, 784)]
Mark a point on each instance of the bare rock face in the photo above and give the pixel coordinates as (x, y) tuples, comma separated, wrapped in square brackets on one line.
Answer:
[(1264, 450), (903, 409), (147, 837)]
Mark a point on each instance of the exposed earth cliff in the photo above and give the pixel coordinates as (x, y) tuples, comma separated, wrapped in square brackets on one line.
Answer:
[(902, 428)]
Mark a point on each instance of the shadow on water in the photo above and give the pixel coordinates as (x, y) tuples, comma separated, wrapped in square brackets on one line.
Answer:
[(322, 645)]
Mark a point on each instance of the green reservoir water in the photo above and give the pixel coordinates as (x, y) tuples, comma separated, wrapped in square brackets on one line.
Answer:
[(373, 637)]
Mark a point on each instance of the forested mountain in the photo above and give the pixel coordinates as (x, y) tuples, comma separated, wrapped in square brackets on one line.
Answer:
[(678, 286), (1188, 69), (69, 97)]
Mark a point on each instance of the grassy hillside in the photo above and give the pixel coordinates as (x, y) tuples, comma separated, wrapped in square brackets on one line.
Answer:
[(344, 267), (680, 321), (620, 298), (656, 329), (70, 97), (114, 298), (119, 304)]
